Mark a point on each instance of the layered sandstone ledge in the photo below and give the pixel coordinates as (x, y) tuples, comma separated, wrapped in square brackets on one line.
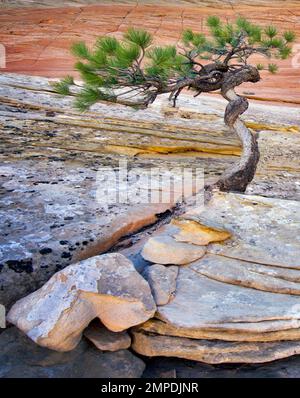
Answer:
[(38, 42)]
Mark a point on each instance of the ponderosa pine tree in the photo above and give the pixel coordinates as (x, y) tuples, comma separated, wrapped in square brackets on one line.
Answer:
[(133, 67)]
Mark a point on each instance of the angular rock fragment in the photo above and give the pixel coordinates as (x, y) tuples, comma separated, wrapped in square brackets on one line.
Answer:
[(106, 340), (193, 232), (162, 281), (163, 249), (107, 287)]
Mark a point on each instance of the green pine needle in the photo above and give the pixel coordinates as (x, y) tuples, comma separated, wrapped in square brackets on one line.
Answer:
[(273, 68), (276, 42), (260, 66), (213, 21), (187, 36), (243, 24), (289, 36), (92, 79), (198, 39), (82, 67), (125, 56), (133, 61), (255, 34), (63, 86), (107, 45), (89, 96), (162, 55), (271, 31), (139, 37), (80, 50), (285, 52)]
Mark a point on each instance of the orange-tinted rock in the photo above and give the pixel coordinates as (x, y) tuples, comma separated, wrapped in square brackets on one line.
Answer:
[(193, 232)]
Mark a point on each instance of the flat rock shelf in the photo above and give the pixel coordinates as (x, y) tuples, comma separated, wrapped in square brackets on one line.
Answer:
[(240, 301)]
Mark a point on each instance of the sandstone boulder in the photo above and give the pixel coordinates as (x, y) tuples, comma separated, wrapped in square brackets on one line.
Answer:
[(106, 340), (162, 281), (107, 287)]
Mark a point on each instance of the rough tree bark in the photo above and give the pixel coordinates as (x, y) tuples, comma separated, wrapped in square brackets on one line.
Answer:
[(238, 176)]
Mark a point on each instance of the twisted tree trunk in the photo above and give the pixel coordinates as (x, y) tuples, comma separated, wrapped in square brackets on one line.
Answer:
[(238, 176)]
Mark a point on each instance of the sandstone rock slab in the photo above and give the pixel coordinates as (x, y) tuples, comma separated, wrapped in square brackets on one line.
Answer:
[(165, 329), (163, 249), (107, 287), (106, 340), (193, 232), (204, 303), (264, 230), (253, 275), (162, 281), (212, 352), (58, 193)]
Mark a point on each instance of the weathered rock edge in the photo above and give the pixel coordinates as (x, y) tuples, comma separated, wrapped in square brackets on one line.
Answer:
[(212, 352), (105, 286)]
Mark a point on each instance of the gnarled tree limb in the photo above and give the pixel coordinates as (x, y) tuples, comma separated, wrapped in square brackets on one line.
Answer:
[(238, 176)]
